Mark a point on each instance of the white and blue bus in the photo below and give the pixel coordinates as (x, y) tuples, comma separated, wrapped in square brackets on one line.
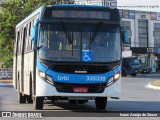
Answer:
[(69, 52)]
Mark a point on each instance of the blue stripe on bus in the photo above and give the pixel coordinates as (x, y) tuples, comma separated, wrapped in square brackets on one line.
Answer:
[(79, 78), (41, 67)]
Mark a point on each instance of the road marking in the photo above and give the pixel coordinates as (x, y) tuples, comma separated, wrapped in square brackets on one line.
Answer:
[(153, 87)]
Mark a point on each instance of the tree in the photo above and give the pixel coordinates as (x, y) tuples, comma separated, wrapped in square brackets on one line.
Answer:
[(13, 11)]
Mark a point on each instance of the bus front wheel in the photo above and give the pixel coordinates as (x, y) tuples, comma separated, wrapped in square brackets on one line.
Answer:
[(38, 102), (101, 102)]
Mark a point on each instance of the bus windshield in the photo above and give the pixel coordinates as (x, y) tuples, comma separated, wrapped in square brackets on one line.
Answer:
[(68, 42)]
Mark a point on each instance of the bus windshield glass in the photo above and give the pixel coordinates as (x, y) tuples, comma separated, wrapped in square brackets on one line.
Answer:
[(72, 42)]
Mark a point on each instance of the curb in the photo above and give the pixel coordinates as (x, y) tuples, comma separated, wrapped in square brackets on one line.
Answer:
[(5, 84), (153, 87)]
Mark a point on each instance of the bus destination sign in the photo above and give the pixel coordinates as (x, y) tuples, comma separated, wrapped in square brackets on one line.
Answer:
[(80, 14)]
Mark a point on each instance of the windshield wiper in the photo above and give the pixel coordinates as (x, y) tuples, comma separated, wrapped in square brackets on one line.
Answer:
[(65, 32), (95, 33)]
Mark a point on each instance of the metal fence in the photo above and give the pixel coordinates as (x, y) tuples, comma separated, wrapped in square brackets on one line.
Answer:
[(6, 73)]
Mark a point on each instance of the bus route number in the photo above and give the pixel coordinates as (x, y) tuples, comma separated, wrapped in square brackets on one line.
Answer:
[(96, 78)]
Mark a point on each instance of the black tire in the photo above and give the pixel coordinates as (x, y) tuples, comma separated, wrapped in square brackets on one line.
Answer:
[(101, 102), (53, 101), (72, 101), (29, 99), (21, 98), (81, 101), (124, 73), (38, 102), (133, 75)]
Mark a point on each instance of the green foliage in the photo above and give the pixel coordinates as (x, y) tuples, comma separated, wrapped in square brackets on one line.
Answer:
[(12, 13)]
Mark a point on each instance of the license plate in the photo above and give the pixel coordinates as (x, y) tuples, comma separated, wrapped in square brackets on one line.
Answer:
[(80, 90)]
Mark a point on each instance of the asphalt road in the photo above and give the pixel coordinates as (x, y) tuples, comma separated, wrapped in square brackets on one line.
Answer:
[(135, 97)]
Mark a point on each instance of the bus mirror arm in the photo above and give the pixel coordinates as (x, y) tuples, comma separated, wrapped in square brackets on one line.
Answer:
[(34, 33), (39, 47)]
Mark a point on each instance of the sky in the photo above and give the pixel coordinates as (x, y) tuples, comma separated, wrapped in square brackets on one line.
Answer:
[(144, 5)]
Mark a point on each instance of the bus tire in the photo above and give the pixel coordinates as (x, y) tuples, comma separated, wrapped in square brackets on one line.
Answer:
[(21, 98), (124, 73), (39, 101), (29, 99), (101, 102)]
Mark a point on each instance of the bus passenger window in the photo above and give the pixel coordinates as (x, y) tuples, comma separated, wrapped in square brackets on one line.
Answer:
[(29, 29)]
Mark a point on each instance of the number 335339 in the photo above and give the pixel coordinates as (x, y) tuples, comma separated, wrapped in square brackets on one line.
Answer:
[(95, 78)]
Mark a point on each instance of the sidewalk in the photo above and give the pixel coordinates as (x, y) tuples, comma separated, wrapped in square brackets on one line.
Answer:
[(155, 73)]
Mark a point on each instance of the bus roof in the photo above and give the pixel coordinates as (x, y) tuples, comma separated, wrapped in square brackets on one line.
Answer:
[(79, 5), (40, 10)]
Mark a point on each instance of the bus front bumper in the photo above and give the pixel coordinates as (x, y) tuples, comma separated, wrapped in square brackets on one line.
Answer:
[(45, 89)]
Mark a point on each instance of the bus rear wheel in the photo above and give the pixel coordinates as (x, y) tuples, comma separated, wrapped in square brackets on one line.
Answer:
[(29, 99), (101, 102), (21, 98), (38, 102)]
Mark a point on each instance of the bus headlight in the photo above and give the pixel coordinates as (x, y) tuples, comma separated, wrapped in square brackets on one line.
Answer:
[(42, 74), (113, 79), (46, 77), (49, 80)]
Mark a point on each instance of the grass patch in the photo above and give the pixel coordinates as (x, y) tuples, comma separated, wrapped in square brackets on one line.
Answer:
[(156, 83)]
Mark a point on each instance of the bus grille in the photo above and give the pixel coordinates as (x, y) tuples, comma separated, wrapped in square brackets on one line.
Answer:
[(68, 88), (80, 69)]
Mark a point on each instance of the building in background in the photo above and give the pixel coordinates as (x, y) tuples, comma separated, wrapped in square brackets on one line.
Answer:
[(144, 35), (143, 29), (111, 3), (92, 2)]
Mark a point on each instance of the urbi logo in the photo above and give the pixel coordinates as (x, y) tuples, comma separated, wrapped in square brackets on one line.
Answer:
[(64, 78)]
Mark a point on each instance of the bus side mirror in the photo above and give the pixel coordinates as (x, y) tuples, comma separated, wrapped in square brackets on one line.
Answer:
[(34, 33), (125, 37)]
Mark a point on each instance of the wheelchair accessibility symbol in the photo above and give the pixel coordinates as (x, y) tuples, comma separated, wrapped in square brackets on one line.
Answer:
[(86, 56)]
